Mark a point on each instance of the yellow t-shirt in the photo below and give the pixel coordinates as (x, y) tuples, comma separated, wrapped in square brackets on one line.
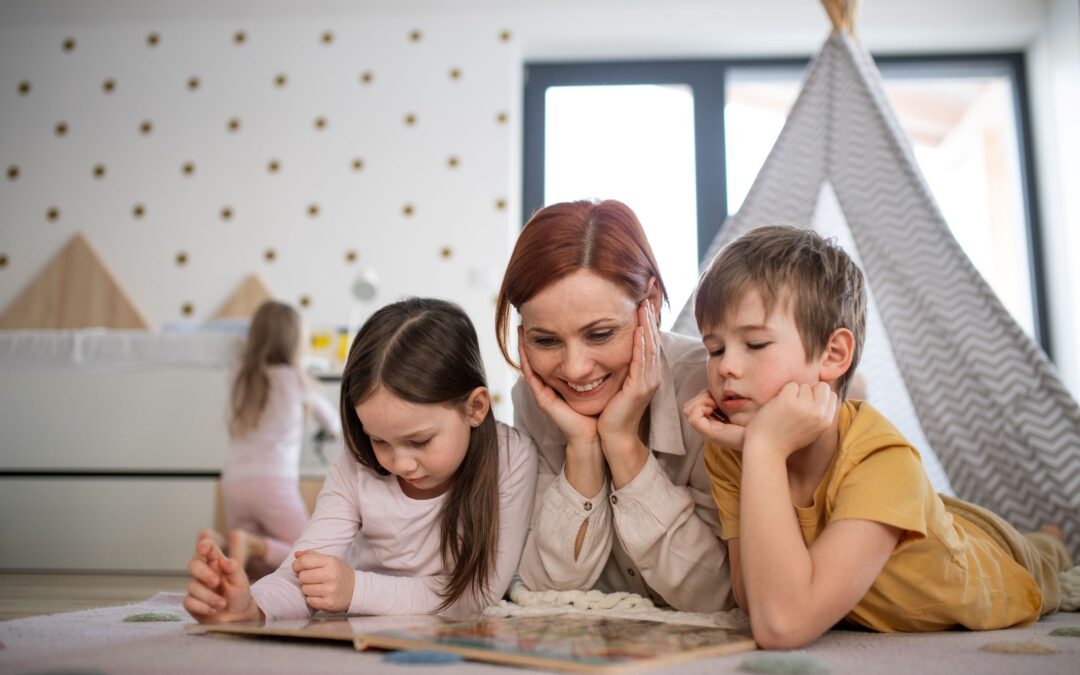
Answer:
[(944, 573)]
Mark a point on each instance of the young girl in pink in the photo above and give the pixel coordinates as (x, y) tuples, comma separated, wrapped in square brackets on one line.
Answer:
[(260, 483), (432, 496)]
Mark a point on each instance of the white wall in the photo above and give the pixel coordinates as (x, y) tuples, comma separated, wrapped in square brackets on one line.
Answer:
[(362, 211)]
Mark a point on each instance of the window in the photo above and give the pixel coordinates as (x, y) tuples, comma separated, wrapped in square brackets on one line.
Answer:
[(624, 131)]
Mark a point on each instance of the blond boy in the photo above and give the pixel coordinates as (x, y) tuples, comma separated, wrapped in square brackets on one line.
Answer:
[(826, 508)]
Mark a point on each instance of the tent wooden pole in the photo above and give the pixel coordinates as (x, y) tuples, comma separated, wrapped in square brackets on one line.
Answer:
[(842, 14)]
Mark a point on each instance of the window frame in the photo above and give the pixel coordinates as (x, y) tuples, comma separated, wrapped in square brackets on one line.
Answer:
[(708, 81)]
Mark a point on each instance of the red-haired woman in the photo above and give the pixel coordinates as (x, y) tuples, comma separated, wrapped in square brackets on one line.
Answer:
[(623, 501)]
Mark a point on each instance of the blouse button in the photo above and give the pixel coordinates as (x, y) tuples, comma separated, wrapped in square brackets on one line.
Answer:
[(588, 506), (630, 571), (614, 499)]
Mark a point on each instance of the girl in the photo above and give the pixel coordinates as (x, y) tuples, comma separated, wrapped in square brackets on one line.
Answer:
[(433, 495), (624, 501), (260, 484)]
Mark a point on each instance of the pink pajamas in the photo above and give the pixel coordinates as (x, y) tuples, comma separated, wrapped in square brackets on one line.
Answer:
[(270, 507)]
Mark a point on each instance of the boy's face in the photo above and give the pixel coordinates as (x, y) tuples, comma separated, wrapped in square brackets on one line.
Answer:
[(753, 355)]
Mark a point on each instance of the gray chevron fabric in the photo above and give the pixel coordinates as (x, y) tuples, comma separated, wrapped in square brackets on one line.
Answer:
[(991, 405)]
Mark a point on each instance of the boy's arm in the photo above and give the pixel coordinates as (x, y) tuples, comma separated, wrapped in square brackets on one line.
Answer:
[(794, 594)]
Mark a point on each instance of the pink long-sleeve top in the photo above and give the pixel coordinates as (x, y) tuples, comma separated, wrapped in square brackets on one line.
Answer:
[(394, 539), (272, 448)]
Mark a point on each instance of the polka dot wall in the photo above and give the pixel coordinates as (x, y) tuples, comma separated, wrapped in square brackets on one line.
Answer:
[(192, 154)]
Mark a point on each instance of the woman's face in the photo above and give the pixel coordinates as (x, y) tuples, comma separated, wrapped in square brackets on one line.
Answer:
[(578, 337)]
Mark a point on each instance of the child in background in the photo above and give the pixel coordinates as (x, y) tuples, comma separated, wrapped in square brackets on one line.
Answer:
[(260, 484), (434, 493), (826, 508)]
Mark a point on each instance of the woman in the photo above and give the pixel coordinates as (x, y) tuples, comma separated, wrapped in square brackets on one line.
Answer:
[(623, 501)]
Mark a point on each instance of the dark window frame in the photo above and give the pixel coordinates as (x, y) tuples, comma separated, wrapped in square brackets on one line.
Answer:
[(708, 80)]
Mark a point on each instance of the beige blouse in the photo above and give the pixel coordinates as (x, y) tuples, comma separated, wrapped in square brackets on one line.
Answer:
[(658, 536)]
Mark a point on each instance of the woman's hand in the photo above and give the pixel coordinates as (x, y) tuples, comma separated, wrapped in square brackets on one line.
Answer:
[(793, 419), (704, 414), (619, 423), (327, 581), (219, 591), (579, 430)]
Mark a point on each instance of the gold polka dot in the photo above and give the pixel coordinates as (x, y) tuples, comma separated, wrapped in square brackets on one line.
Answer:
[(68, 45), (415, 36), (13, 172), (273, 166), (193, 83), (61, 129), (108, 86), (455, 73), (313, 210), (226, 213), (367, 77), (327, 38), (146, 127), (99, 171), (280, 80), (496, 398), (410, 119), (153, 39), (181, 258), (53, 214), (304, 301), (408, 209), (138, 211), (269, 255), (188, 169), (452, 161), (24, 87), (3, 260), (187, 309), (351, 256), (446, 252), (505, 36), (239, 37), (357, 164), (233, 124), (320, 123), (500, 204), (502, 118)]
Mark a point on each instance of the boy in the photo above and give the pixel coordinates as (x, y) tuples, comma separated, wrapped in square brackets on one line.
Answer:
[(826, 508)]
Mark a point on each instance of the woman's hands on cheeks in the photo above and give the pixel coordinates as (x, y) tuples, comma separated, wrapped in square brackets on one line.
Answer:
[(219, 591), (578, 429), (793, 419), (327, 581), (702, 412), (619, 423)]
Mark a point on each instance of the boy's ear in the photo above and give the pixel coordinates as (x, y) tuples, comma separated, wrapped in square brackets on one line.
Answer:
[(655, 298), (836, 358), (477, 406)]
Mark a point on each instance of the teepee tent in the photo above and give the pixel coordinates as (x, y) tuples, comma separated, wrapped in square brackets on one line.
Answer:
[(944, 359)]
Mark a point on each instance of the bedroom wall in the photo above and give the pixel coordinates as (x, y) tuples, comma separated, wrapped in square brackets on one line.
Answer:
[(432, 204)]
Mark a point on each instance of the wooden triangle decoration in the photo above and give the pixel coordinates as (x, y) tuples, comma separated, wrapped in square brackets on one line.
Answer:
[(75, 290), (245, 300)]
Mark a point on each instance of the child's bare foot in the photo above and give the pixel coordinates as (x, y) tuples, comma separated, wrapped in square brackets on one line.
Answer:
[(213, 535), (245, 546), (1054, 531)]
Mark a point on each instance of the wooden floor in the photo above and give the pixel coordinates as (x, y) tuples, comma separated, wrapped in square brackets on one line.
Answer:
[(34, 594)]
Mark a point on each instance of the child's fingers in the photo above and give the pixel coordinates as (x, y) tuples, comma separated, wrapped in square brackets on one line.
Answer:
[(200, 571), (197, 608), (205, 595), (310, 560), (234, 574), (320, 590)]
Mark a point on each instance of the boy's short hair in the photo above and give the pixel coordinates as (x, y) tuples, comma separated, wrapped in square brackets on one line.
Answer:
[(819, 278)]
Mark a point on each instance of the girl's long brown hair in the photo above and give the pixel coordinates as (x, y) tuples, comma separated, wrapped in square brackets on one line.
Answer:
[(425, 351), (273, 339)]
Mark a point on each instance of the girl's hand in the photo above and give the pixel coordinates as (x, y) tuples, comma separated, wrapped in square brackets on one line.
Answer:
[(618, 424), (579, 430), (794, 419), (219, 591), (704, 414), (327, 582)]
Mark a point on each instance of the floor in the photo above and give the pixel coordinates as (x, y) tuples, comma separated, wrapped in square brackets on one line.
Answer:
[(34, 594)]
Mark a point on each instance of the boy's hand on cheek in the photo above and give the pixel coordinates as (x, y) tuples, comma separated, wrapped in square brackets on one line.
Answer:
[(703, 414), (794, 419), (327, 581)]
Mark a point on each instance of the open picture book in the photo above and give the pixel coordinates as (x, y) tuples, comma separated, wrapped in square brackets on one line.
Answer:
[(571, 642)]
